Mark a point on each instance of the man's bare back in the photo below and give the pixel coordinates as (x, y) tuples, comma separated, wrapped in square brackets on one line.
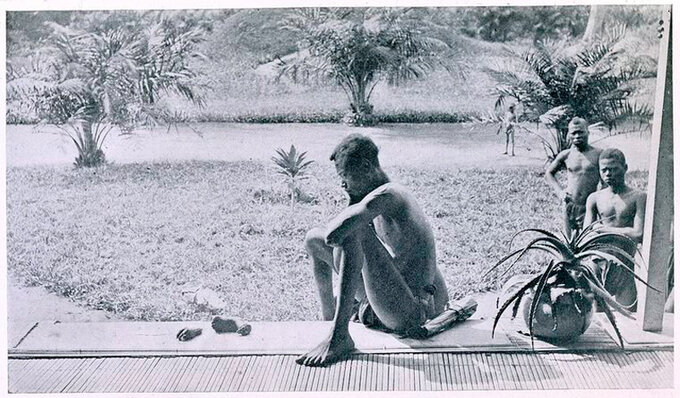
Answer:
[(402, 228)]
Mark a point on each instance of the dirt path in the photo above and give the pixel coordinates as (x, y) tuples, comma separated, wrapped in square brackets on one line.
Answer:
[(28, 305), (35, 304), (465, 145)]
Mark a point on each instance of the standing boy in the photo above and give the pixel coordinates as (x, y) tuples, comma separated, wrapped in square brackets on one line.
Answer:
[(583, 177)]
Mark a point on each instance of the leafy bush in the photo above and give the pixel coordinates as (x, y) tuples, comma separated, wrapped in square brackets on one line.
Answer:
[(109, 69), (316, 117), (503, 24), (422, 117), (336, 117), (357, 48)]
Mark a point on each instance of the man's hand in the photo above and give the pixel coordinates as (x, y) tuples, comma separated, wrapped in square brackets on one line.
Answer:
[(331, 350)]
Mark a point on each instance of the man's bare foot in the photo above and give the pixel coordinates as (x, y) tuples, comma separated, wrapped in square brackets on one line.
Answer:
[(329, 351), (187, 334)]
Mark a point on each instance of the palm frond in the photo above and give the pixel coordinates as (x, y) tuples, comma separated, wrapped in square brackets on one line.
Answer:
[(589, 81), (614, 250), (605, 238), (601, 292), (610, 316), (291, 163), (538, 230), (612, 258)]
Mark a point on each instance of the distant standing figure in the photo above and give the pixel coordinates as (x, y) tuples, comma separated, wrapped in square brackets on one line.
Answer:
[(621, 210), (583, 176), (508, 126)]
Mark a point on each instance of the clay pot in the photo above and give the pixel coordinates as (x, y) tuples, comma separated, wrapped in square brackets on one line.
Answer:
[(565, 308)]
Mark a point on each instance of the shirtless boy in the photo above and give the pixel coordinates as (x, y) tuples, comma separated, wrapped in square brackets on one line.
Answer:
[(508, 126), (621, 210), (383, 249), (583, 176)]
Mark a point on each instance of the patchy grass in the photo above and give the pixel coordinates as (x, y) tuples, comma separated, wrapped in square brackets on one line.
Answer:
[(129, 238)]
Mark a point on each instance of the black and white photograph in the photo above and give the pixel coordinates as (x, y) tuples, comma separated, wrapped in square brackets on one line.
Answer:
[(364, 197)]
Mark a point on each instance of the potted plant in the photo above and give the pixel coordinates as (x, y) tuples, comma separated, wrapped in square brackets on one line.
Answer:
[(559, 301)]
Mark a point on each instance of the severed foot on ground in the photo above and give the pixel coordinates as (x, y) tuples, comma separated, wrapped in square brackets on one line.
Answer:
[(187, 334), (230, 325)]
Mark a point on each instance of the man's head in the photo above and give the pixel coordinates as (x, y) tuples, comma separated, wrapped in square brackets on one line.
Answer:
[(613, 167), (578, 132), (356, 161)]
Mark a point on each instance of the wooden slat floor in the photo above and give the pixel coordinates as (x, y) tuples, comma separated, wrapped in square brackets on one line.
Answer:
[(611, 369)]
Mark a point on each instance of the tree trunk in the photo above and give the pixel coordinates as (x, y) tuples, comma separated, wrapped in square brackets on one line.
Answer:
[(595, 23), (361, 110), (89, 155)]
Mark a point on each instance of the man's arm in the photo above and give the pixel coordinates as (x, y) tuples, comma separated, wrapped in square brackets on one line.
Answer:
[(342, 232), (635, 232), (557, 164), (591, 210), (353, 218)]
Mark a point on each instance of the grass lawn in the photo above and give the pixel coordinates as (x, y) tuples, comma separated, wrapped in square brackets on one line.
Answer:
[(128, 238)]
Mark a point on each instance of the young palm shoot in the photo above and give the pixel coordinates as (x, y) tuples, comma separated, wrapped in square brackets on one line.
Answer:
[(293, 166)]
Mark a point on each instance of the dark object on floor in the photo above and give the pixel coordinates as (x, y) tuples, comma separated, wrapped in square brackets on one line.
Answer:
[(230, 325), (187, 334), (244, 330), (455, 313)]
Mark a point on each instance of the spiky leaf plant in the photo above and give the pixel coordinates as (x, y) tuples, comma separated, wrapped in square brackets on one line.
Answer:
[(293, 165), (570, 285)]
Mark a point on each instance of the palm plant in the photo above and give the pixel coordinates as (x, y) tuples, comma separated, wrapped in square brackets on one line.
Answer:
[(357, 48), (559, 301), (557, 82), (293, 166), (90, 80)]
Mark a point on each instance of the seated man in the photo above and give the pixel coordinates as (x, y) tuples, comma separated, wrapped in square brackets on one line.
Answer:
[(621, 210), (383, 249)]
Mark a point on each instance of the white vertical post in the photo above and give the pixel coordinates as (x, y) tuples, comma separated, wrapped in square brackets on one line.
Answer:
[(656, 246)]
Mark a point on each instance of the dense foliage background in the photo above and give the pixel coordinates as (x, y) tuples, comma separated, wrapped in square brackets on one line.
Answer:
[(240, 45)]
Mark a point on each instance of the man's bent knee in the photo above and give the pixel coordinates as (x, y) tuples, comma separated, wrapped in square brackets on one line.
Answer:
[(314, 240)]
